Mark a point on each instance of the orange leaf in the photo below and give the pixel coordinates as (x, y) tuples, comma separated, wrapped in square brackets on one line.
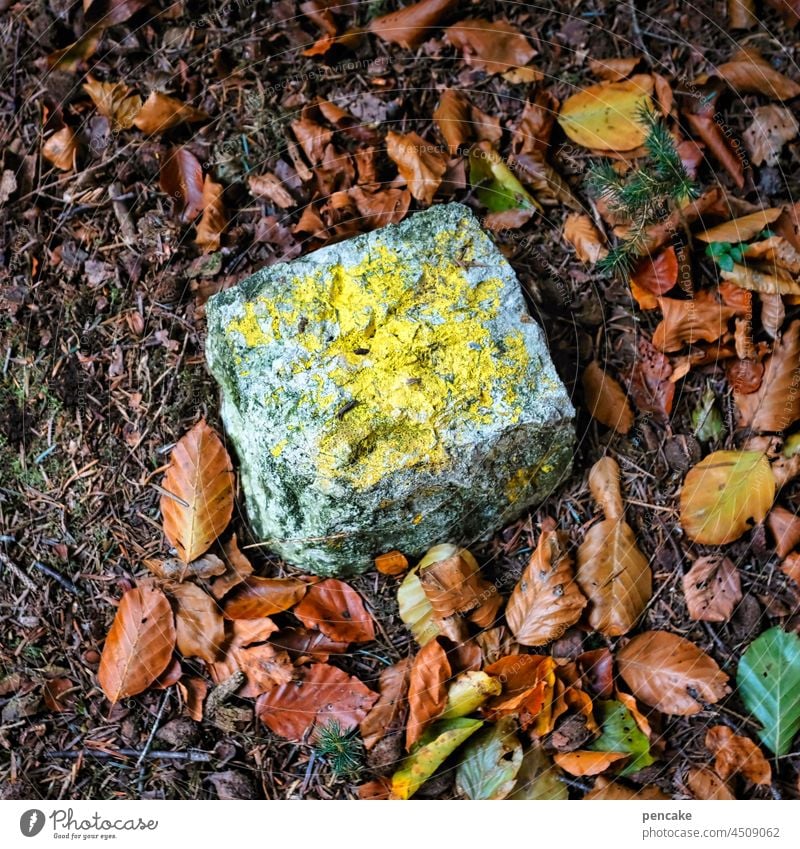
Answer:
[(532, 134), (750, 73), (173, 569), (412, 25), (321, 694), (237, 568), (301, 643), (381, 207), (712, 588), (704, 125), (55, 693), (112, 102), (452, 117), (161, 112), (702, 317), (313, 137), (649, 380), (427, 689), (614, 69), (213, 221), (741, 229), (581, 233), (584, 762), (200, 478), (454, 585), (546, 600), (605, 399), (736, 754), (420, 164), (139, 645), (181, 177), (706, 784), (264, 668), (194, 692), (337, 610), (528, 684), (490, 46), (256, 597), (785, 528), (611, 790), (670, 673), (199, 626), (391, 563), (657, 275), (61, 149), (269, 187), (390, 709)]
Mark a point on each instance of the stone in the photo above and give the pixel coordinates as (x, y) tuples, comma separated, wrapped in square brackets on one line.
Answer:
[(388, 392)]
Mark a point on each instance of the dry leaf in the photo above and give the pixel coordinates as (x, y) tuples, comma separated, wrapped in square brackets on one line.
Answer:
[(391, 563), (237, 568), (452, 117), (605, 399), (381, 207), (194, 691), (420, 164), (337, 610), (256, 597), (702, 318), (313, 137), (213, 221), (546, 600), (390, 709), (712, 588), (411, 25), (55, 692), (200, 478), (657, 274), (139, 644), (528, 683), (596, 669), (490, 46), (302, 644), (581, 233), (320, 695), (269, 187), (61, 149), (773, 313), (742, 14), (109, 13), (768, 280), (771, 128), (736, 754), (741, 229), (706, 784), (264, 667), (181, 177), (649, 381), (612, 572), (199, 627), (161, 112), (112, 102), (671, 674), (606, 790), (532, 133), (614, 69), (704, 125), (584, 762), (749, 73), (785, 528), (427, 689), (173, 569)]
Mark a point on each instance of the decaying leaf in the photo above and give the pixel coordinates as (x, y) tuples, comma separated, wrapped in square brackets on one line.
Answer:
[(670, 673), (391, 707), (762, 278), (748, 72), (538, 778), (61, 149), (712, 588), (113, 101), (725, 494), (584, 762), (546, 600), (181, 177), (741, 229), (161, 112), (649, 381), (304, 645), (605, 399), (213, 221), (580, 232), (420, 164), (256, 597), (427, 689), (468, 692), (772, 126), (490, 762), (337, 610), (199, 626), (194, 691), (532, 133), (460, 122), (269, 187), (490, 46), (704, 783), (612, 572), (139, 644), (173, 569), (411, 25), (736, 754)]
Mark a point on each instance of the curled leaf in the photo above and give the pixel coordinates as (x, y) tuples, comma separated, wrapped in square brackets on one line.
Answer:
[(161, 112), (580, 232), (420, 163), (392, 704), (468, 692), (61, 149), (255, 597)]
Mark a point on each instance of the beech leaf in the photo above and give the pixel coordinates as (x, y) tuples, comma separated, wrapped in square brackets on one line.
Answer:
[(605, 399), (491, 46), (581, 233), (427, 689), (199, 626), (737, 754), (256, 597), (538, 778), (490, 762), (620, 733), (412, 25), (712, 588), (161, 112), (337, 610)]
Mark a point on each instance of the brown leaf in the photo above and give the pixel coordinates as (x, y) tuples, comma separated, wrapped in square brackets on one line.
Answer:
[(139, 645), (532, 133), (200, 478), (596, 668), (611, 790), (771, 128), (791, 567), (264, 668), (213, 221), (173, 569), (194, 691), (770, 280), (391, 563), (380, 789), (348, 124), (657, 274), (581, 233), (548, 185), (742, 14), (702, 318), (649, 380), (411, 25), (546, 600), (605, 399), (773, 313), (55, 694), (321, 694), (161, 112), (490, 46), (703, 124), (528, 683), (256, 597), (452, 117), (237, 568), (269, 187), (199, 627), (785, 528), (337, 610), (704, 784), (302, 643), (380, 207), (109, 13), (712, 588), (71, 57), (390, 709), (112, 102), (420, 164), (776, 405), (736, 754), (584, 762), (313, 138), (427, 689), (181, 177), (671, 674), (614, 69), (61, 149), (741, 229), (663, 231), (748, 72), (612, 572), (170, 676)]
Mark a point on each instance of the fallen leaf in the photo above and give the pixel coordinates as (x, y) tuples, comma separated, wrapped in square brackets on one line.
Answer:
[(109, 13), (776, 405), (61, 149), (546, 600), (71, 57), (427, 690), (391, 563), (312, 136), (193, 691), (791, 567), (768, 681), (269, 187), (712, 588), (237, 568), (112, 101), (468, 692), (420, 164), (415, 610), (736, 754), (596, 669), (181, 177), (256, 597), (748, 72), (380, 789), (160, 112), (498, 189), (170, 676), (532, 133), (198, 500), (452, 117), (742, 14), (706, 125), (583, 762), (391, 707), (302, 644), (766, 280), (605, 399), (337, 610), (773, 313), (612, 572), (657, 274), (620, 733), (724, 495), (706, 784), (411, 25), (55, 692), (740, 229), (605, 790), (264, 667), (549, 187), (702, 318), (605, 116), (173, 569), (139, 644), (772, 126), (490, 762), (671, 674), (320, 694), (538, 778), (649, 381), (614, 69), (785, 528), (528, 682), (213, 220), (381, 207), (580, 232), (199, 626), (490, 46)]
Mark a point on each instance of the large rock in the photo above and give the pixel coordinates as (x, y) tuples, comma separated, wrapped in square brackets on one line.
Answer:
[(390, 391)]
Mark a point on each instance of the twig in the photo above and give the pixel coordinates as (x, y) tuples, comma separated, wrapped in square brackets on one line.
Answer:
[(153, 730), (193, 755), (57, 577), (15, 570)]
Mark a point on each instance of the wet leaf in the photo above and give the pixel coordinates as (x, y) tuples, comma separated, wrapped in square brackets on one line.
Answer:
[(605, 399), (620, 733), (584, 762), (546, 600), (391, 563), (181, 177), (199, 627), (139, 644), (657, 274), (490, 762), (736, 754), (706, 784), (160, 112), (768, 681), (113, 101), (413, 24), (438, 743), (712, 588), (468, 692), (337, 610), (538, 778), (61, 149), (420, 164), (771, 128), (748, 72), (392, 705), (605, 116), (498, 189), (671, 674), (320, 694), (490, 46), (724, 495), (256, 597), (213, 221), (580, 232), (427, 690), (200, 481)]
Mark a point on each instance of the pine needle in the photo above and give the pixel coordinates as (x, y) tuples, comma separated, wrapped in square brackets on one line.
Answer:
[(342, 750)]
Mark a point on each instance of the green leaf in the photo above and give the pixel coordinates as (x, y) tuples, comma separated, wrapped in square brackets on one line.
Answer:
[(436, 744), (717, 249), (499, 189), (768, 679), (620, 733), (538, 778), (707, 419), (490, 762)]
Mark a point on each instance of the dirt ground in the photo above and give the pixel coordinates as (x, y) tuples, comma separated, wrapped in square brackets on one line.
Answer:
[(102, 367)]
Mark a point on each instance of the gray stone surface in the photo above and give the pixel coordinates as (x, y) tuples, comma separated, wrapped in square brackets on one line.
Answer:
[(390, 391)]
